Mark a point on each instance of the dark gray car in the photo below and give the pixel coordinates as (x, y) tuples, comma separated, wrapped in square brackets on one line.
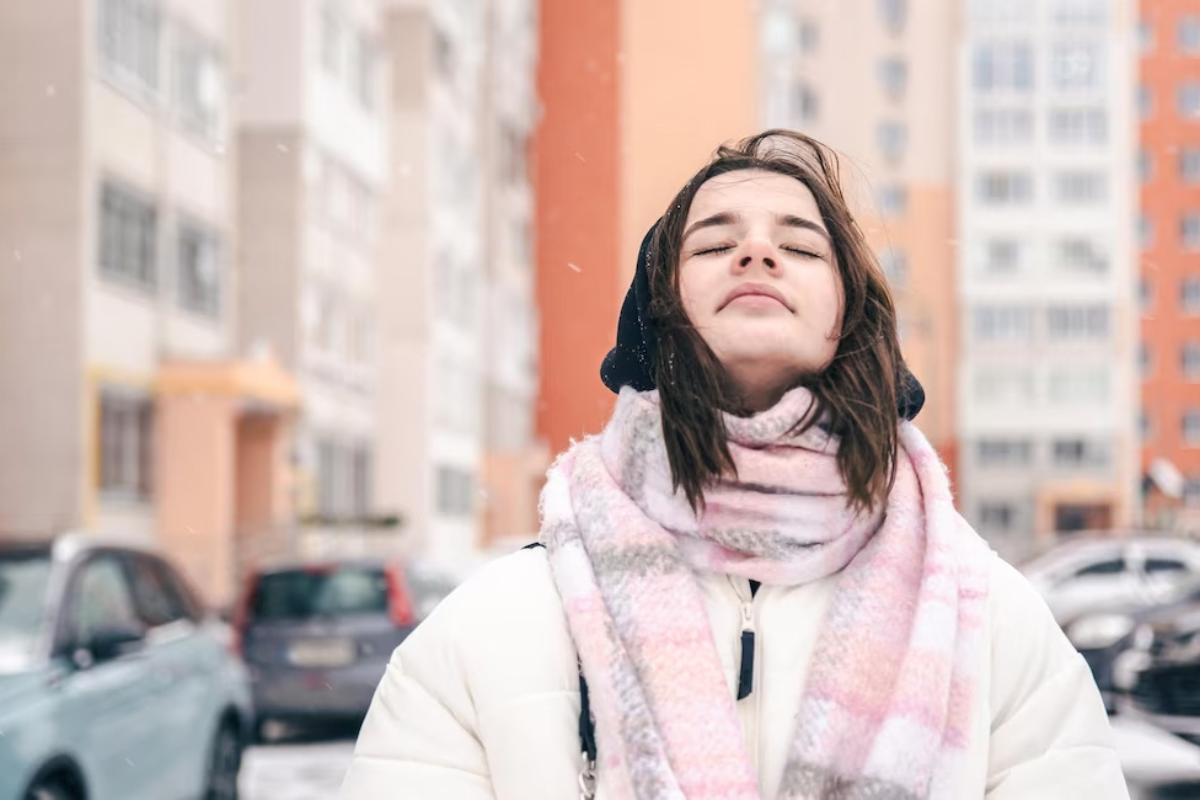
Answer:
[(317, 637)]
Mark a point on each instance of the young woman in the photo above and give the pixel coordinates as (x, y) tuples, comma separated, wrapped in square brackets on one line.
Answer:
[(753, 583)]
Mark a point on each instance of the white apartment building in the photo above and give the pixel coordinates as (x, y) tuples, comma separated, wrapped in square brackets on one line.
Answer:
[(514, 462), (434, 278), (1046, 266), (313, 109)]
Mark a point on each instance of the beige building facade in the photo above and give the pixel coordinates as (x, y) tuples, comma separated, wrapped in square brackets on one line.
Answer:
[(126, 403)]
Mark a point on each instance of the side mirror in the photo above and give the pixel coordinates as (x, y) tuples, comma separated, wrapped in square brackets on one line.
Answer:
[(105, 644)]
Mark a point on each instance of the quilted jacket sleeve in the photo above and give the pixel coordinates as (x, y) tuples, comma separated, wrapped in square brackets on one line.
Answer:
[(417, 741), (1050, 735)]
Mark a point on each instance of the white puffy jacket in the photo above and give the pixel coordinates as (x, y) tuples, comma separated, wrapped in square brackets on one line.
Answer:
[(482, 702)]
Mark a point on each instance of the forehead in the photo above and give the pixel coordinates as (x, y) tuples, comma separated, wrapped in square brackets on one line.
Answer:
[(751, 190)]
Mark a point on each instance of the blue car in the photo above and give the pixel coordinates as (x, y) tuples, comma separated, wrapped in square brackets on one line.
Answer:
[(115, 684)]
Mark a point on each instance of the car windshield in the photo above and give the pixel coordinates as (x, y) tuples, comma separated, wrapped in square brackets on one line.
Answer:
[(24, 575), (319, 592)]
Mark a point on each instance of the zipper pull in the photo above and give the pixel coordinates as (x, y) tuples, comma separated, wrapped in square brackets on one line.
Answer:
[(746, 673)]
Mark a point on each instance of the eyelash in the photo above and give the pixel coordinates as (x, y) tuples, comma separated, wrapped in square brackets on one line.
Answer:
[(723, 248)]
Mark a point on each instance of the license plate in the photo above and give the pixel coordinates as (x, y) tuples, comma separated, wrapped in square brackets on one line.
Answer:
[(321, 653)]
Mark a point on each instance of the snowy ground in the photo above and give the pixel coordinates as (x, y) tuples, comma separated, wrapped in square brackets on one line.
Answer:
[(1157, 765)]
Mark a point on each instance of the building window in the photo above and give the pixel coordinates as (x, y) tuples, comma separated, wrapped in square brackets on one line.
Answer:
[(1080, 188), (1145, 37), (128, 237), (997, 517), (1145, 427), (199, 270), (1187, 99), (809, 36), (1191, 427), (1076, 67), (1191, 491), (1078, 126), (1003, 386), (895, 267), (1145, 232), (1189, 231), (1078, 13), (1077, 453), (1189, 295), (332, 32), (1001, 256), (893, 76), (455, 492), (1002, 323), (893, 13), (1082, 256), (126, 446), (1077, 323), (992, 453), (1145, 165), (1189, 164), (1187, 34), (892, 200), (1190, 360), (130, 36), (1145, 360), (1004, 188), (1003, 67), (344, 479), (200, 86), (984, 12), (1145, 101), (364, 71), (1078, 386), (892, 138), (1003, 126), (806, 106), (443, 54)]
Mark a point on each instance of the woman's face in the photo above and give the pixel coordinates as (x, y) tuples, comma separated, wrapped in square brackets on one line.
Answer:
[(758, 281)]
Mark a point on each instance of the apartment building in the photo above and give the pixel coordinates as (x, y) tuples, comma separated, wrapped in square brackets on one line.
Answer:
[(128, 402), (1047, 388)]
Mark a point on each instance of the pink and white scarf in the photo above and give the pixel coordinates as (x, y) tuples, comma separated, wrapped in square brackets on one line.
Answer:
[(886, 707)]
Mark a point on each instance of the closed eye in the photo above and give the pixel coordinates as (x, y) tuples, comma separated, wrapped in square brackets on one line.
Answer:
[(800, 251), (720, 248)]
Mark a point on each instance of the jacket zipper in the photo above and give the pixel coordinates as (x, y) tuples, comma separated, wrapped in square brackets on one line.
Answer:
[(748, 694)]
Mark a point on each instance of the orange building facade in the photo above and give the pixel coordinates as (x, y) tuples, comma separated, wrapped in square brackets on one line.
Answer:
[(635, 97), (1169, 162)]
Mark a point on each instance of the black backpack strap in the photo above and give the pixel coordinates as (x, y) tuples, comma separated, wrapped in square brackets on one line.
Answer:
[(587, 726)]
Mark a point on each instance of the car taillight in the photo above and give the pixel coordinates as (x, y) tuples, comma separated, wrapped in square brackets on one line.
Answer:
[(400, 607)]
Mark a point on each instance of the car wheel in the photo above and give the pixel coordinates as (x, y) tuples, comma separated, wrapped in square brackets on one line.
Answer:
[(225, 762), (49, 790)]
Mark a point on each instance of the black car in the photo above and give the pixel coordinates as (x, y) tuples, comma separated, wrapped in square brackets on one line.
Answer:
[(1161, 681), (1103, 638)]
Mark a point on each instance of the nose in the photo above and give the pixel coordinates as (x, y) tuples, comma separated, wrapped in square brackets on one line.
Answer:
[(757, 251)]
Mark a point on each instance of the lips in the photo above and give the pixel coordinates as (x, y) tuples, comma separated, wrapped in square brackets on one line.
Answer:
[(751, 289)]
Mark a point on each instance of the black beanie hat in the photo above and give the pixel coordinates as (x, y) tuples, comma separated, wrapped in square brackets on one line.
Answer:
[(631, 362)]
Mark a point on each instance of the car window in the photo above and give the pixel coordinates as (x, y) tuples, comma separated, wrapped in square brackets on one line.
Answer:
[(101, 599), (158, 602), (1160, 565), (1112, 566), (191, 604), (300, 594)]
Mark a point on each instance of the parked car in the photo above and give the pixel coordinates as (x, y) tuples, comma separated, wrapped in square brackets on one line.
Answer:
[(317, 637), (1090, 575), (1103, 636), (1159, 678), (115, 683)]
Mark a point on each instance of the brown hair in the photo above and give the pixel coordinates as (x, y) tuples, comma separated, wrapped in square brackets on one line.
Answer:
[(857, 389)]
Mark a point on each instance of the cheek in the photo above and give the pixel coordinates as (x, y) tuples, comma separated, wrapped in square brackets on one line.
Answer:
[(691, 293)]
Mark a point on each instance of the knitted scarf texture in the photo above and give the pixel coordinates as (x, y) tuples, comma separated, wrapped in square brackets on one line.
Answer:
[(885, 710)]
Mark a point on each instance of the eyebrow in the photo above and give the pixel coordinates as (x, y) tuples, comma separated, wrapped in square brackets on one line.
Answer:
[(729, 218)]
